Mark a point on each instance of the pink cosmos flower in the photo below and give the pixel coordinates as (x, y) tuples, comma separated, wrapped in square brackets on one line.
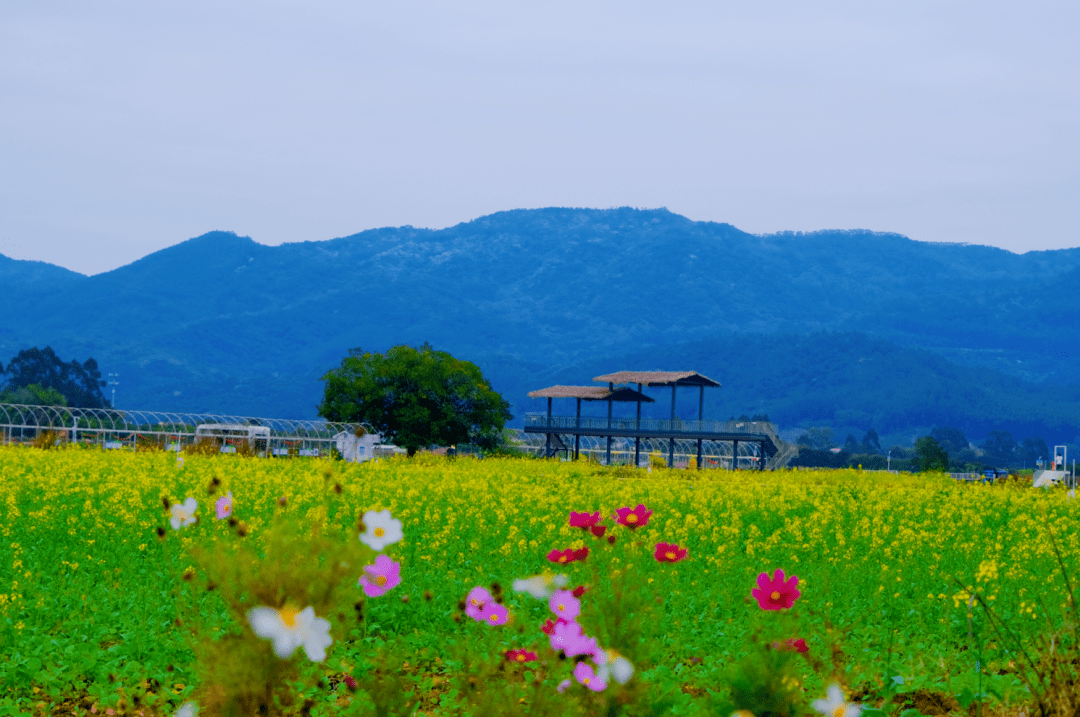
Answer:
[(223, 506), (384, 575), (584, 674), (520, 655), (566, 636), (475, 601), (579, 591), (632, 517), (775, 593), (564, 685), (494, 614), (581, 553), (669, 553), (584, 520), (564, 604), (598, 530)]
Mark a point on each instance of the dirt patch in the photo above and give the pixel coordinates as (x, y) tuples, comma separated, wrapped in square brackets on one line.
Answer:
[(928, 702)]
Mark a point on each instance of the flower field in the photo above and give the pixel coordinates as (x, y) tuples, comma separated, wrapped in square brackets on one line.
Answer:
[(125, 579)]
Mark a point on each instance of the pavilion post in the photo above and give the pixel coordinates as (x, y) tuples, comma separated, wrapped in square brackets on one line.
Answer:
[(547, 446), (637, 451), (577, 436), (638, 427), (734, 455), (761, 459), (699, 454), (701, 408)]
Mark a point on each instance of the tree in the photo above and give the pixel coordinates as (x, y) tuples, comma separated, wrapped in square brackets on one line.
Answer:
[(415, 398), (929, 456), (851, 445), (1034, 449), (79, 383), (1001, 448), (871, 442), (951, 439)]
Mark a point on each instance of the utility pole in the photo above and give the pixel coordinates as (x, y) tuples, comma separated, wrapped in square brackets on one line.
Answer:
[(114, 383)]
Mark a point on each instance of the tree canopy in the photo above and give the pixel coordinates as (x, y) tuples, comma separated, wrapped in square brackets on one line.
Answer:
[(929, 456), (78, 383), (415, 398)]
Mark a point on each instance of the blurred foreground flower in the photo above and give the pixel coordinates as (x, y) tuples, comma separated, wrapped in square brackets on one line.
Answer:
[(494, 614), (835, 706), (188, 709), (475, 601), (776, 593), (381, 530), (223, 506), (586, 676), (520, 655), (633, 517), (540, 586), (384, 575), (290, 629), (669, 553), (564, 604), (183, 515), (584, 520)]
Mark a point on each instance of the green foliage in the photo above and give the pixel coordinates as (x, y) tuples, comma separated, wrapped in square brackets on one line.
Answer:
[(416, 398), (33, 395), (930, 456)]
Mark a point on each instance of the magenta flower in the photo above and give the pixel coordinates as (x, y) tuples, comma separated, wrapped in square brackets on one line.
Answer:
[(585, 675), (520, 655), (475, 601), (669, 553), (775, 593), (384, 575), (564, 604), (223, 506), (632, 517), (584, 520), (494, 614)]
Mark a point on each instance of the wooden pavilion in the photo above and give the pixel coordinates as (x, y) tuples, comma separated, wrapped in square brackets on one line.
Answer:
[(638, 428)]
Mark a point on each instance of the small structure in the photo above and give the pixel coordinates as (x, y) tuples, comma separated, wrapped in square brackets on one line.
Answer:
[(761, 433), (587, 393), (356, 448)]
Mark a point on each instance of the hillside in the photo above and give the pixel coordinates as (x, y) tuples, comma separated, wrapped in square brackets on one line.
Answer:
[(222, 322)]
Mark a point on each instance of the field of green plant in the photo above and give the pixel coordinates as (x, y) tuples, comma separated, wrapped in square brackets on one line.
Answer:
[(140, 584)]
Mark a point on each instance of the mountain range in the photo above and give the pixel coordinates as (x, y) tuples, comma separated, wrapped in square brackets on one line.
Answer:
[(852, 328)]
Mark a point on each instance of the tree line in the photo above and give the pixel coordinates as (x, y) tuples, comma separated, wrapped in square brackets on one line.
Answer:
[(945, 448), (38, 377)]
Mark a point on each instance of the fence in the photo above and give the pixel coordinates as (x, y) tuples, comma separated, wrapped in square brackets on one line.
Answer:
[(135, 430)]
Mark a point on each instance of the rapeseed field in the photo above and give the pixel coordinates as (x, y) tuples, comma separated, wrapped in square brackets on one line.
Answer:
[(125, 579)]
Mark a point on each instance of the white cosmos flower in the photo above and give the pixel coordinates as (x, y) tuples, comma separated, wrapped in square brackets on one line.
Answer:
[(188, 709), (835, 706), (381, 530), (290, 629), (540, 586), (183, 514), (616, 666)]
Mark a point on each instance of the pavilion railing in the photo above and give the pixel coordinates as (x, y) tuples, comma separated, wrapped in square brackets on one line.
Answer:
[(541, 420)]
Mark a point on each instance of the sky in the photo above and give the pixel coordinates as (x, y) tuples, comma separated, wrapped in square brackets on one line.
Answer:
[(127, 127)]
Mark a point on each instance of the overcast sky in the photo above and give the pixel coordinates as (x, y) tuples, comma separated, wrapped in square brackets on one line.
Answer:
[(127, 127)]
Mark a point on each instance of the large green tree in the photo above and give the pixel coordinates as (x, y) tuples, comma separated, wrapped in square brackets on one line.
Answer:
[(929, 456), (415, 398), (79, 383)]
